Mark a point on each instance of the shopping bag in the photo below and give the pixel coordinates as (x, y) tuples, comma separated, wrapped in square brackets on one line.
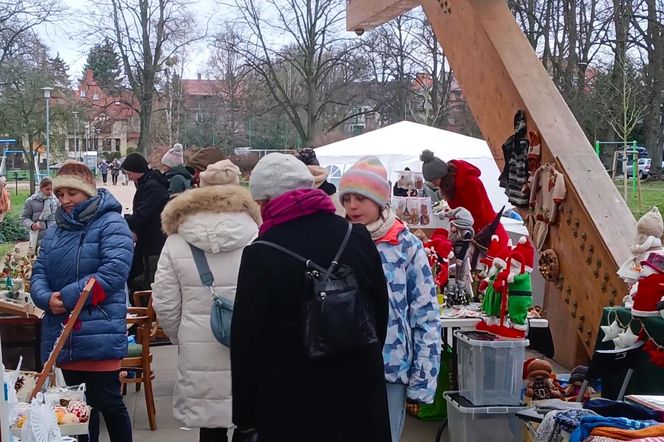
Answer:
[(438, 410)]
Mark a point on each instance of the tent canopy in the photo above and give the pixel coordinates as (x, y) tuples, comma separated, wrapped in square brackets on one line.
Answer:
[(399, 146)]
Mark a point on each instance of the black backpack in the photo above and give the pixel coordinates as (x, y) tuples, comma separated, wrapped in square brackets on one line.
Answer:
[(335, 317)]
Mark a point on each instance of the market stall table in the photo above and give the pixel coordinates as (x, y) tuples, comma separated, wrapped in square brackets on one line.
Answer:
[(647, 378)]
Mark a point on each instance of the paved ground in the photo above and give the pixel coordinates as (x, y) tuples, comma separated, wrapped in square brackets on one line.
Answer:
[(169, 430)]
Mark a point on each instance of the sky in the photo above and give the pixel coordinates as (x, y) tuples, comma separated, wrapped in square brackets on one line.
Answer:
[(62, 37)]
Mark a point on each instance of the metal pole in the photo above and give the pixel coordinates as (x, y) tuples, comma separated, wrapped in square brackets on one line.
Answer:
[(48, 140)]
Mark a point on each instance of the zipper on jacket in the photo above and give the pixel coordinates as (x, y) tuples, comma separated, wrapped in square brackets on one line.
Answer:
[(78, 268)]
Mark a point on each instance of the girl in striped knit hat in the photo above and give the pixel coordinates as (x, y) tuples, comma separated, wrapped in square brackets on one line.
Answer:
[(412, 347)]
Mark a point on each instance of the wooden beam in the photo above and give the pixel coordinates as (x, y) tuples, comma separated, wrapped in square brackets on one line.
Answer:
[(499, 73), (364, 15)]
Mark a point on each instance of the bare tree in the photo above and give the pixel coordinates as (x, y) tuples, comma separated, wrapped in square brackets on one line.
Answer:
[(648, 22), (18, 17), (147, 34), (308, 71)]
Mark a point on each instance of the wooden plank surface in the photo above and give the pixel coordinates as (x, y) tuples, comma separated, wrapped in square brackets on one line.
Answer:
[(499, 73), (368, 14)]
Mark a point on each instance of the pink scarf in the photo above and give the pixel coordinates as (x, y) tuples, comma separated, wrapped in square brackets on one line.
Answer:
[(294, 204)]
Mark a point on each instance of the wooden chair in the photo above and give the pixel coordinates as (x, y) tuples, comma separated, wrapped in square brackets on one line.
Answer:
[(139, 359), (144, 299)]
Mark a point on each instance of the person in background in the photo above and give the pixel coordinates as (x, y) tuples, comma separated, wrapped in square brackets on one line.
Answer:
[(90, 239), (412, 347), (308, 157), (115, 171), (39, 212), (459, 184), (221, 219), (399, 191), (144, 221), (179, 178), (5, 199), (339, 398), (103, 168)]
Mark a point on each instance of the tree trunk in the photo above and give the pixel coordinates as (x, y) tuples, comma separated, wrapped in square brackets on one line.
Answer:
[(31, 163), (655, 83), (145, 127)]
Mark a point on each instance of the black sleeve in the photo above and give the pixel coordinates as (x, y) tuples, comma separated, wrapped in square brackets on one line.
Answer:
[(378, 295), (155, 197), (248, 336)]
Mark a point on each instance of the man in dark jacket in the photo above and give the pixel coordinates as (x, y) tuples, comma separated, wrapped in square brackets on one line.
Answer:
[(145, 221), (272, 375)]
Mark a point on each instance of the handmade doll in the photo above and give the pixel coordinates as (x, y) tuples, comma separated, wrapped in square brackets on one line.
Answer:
[(539, 385)]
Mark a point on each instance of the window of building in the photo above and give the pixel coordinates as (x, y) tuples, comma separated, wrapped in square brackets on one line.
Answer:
[(82, 94), (199, 117), (95, 97), (117, 145)]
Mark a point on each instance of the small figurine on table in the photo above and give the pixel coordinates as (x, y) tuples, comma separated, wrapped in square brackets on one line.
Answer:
[(539, 386), (461, 235), (576, 379), (439, 249), (511, 292), (644, 270)]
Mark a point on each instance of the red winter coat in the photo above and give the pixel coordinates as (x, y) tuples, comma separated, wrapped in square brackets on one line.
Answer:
[(471, 194)]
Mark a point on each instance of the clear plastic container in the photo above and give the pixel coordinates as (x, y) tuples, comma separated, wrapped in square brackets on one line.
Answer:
[(468, 423), (490, 371)]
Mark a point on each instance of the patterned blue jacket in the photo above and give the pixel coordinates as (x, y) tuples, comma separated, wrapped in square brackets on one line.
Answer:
[(412, 346), (94, 240)]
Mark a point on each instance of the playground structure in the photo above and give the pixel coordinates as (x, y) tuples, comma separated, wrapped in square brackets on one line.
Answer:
[(500, 73)]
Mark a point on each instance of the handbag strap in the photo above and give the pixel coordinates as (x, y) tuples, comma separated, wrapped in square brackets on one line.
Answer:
[(309, 263), (202, 266)]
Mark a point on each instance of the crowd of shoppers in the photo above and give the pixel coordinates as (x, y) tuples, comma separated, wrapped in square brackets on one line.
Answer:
[(263, 246)]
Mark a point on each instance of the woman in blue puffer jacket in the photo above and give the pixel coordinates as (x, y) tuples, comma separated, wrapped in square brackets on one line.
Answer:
[(90, 238)]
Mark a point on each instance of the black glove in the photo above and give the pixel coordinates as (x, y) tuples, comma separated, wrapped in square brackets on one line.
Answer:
[(249, 435)]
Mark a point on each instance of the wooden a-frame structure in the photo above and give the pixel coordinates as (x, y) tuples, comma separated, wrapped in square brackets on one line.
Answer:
[(499, 73)]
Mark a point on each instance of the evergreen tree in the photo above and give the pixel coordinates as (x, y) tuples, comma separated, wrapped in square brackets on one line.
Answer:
[(105, 64)]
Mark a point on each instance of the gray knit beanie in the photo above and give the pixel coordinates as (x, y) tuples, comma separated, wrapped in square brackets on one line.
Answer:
[(276, 174), (432, 166), (461, 218)]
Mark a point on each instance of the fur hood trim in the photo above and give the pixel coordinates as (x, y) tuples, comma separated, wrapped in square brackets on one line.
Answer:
[(213, 199)]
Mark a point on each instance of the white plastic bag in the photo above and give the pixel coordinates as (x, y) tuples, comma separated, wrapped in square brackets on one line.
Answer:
[(41, 424), (34, 239)]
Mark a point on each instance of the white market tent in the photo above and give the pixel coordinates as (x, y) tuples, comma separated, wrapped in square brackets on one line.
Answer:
[(399, 146)]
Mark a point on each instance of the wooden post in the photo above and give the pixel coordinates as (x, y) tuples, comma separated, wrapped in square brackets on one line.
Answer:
[(60, 342), (500, 73)]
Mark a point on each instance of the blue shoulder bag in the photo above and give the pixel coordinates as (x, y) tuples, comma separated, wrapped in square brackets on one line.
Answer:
[(222, 309)]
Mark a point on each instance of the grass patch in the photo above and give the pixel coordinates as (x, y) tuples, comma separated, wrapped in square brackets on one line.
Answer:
[(652, 194), (18, 199)]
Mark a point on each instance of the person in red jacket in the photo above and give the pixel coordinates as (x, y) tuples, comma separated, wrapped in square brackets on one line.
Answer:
[(460, 185)]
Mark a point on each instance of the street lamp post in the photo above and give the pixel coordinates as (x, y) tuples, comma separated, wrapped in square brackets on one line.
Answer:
[(76, 136), (47, 96)]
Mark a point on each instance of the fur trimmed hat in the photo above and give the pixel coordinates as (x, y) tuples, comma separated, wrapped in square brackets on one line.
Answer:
[(220, 173), (75, 175), (367, 177)]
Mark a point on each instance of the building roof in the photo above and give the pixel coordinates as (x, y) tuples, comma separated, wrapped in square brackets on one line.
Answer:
[(203, 87)]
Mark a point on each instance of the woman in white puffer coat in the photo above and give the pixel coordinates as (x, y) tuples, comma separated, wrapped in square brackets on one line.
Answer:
[(221, 220)]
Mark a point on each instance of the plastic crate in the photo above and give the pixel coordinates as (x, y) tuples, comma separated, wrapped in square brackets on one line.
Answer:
[(490, 370), (469, 423)]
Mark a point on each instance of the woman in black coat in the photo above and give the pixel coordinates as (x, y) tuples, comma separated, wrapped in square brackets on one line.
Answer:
[(277, 390)]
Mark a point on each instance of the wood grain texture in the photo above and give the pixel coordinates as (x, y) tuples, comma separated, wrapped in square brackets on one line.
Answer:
[(500, 73), (368, 14)]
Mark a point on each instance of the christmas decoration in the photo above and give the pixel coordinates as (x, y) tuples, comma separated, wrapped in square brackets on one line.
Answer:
[(644, 270), (611, 331), (576, 379), (625, 339), (539, 385)]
